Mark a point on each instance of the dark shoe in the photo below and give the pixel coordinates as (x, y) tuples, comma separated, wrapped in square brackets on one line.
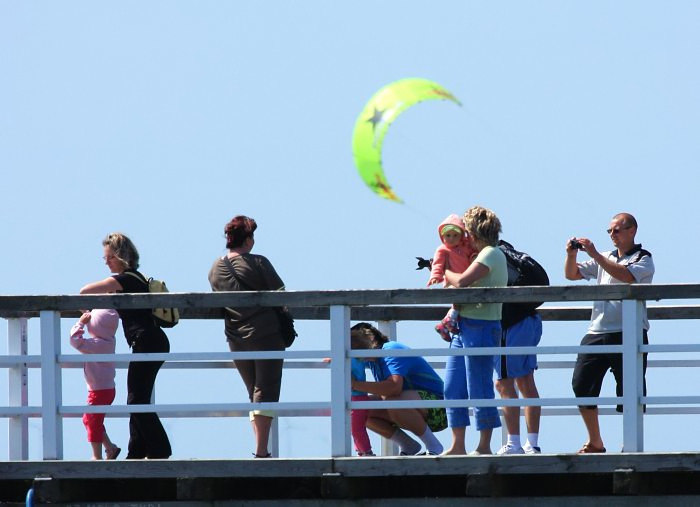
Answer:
[(113, 453), (588, 448), (268, 455)]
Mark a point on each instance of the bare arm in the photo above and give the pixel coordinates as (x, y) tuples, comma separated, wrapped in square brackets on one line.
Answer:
[(389, 387), (473, 273), (611, 267), (614, 269), (102, 287)]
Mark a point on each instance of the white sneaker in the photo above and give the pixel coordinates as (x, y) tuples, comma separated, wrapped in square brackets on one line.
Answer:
[(510, 449), (532, 449)]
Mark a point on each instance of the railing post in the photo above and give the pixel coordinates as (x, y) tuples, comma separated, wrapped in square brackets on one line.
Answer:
[(17, 382), (51, 390), (388, 328), (632, 376), (340, 381)]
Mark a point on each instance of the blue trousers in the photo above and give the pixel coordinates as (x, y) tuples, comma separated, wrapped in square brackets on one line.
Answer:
[(471, 377)]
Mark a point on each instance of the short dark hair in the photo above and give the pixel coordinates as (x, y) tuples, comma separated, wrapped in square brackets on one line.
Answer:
[(366, 336), (238, 230), (627, 219)]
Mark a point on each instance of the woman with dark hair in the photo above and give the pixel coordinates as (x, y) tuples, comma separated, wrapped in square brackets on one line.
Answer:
[(147, 437), (400, 378), (479, 326), (251, 328)]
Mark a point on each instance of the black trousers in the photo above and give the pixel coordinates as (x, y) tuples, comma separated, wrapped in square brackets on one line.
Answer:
[(147, 437)]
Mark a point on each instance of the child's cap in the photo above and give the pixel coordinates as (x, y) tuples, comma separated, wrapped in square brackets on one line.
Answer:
[(103, 323), (450, 228)]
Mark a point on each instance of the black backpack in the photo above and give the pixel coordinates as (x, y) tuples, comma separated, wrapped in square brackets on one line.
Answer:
[(523, 270)]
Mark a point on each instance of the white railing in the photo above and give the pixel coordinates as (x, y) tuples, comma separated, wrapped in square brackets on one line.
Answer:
[(338, 307)]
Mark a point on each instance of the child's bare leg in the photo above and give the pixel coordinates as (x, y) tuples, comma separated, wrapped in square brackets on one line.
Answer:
[(96, 450), (111, 450)]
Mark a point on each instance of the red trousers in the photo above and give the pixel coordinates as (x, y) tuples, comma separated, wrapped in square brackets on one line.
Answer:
[(358, 421), (94, 423)]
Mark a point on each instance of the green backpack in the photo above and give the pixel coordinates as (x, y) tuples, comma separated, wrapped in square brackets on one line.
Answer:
[(163, 317)]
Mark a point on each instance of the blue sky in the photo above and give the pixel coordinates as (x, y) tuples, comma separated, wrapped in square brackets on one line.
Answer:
[(165, 119)]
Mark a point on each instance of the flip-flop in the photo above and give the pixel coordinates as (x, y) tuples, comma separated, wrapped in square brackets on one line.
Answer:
[(115, 452), (589, 448)]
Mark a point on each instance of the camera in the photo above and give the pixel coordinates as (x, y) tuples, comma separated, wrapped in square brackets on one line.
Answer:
[(575, 244)]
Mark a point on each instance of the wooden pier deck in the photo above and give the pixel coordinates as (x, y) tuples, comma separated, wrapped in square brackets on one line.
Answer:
[(561, 479)]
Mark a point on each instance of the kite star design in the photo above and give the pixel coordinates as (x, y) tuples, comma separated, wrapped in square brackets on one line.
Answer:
[(376, 118)]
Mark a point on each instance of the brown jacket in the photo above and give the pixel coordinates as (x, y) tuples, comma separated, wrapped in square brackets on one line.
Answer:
[(253, 272)]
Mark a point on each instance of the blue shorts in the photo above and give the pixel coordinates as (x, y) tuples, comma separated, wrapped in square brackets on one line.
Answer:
[(526, 333)]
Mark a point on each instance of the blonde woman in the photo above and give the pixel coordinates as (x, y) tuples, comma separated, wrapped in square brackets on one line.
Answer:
[(147, 437), (479, 326)]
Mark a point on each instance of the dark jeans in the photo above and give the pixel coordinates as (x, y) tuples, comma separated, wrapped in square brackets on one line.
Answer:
[(147, 437)]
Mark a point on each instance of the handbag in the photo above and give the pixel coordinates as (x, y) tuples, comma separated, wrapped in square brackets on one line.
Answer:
[(284, 317), (286, 325)]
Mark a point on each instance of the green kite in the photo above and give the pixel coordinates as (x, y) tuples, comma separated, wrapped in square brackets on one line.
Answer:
[(374, 120)]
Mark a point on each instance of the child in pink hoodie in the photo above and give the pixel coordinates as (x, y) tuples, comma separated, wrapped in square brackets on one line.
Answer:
[(455, 254), (102, 325)]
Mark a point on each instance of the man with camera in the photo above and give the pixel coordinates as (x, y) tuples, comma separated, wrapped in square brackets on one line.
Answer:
[(627, 263)]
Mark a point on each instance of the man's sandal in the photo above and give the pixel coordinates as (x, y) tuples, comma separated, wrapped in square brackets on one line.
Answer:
[(591, 449)]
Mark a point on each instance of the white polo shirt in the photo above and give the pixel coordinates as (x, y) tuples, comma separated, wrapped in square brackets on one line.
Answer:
[(607, 315)]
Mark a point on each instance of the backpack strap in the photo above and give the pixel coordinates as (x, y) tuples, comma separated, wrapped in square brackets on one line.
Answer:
[(243, 285), (138, 276), (229, 265)]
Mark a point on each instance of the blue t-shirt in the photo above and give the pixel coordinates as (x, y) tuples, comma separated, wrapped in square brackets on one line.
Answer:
[(416, 372), (357, 369)]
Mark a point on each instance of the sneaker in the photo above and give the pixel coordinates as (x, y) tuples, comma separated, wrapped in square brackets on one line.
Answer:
[(443, 332), (510, 449), (451, 325), (368, 453), (532, 449)]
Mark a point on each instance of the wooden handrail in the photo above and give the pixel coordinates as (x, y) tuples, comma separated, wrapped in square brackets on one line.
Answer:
[(647, 292)]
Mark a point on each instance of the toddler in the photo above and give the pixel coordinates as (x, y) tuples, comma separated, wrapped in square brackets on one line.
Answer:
[(102, 326), (456, 254)]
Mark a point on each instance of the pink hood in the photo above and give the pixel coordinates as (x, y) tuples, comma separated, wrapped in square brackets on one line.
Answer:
[(103, 323), (452, 220)]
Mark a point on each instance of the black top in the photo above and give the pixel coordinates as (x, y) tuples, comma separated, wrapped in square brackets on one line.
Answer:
[(512, 313), (134, 322)]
